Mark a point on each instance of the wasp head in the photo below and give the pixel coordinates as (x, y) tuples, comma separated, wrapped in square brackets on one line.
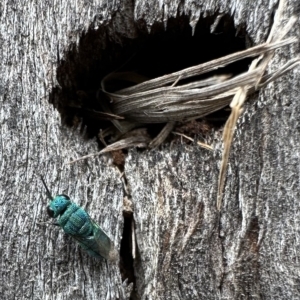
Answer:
[(58, 205)]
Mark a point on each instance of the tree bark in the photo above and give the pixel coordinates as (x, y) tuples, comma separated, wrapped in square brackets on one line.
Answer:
[(185, 248)]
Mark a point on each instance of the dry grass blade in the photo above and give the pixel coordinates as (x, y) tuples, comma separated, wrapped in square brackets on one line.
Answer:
[(291, 64), (203, 145), (259, 64), (153, 102), (227, 137), (140, 141), (156, 106), (102, 115), (138, 138), (160, 138), (202, 68)]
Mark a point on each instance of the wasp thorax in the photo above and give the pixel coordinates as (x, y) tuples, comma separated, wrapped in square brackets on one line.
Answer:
[(58, 205)]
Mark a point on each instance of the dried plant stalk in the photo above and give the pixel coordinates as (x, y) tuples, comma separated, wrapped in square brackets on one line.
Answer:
[(160, 138), (136, 138), (203, 68), (260, 64), (203, 145), (153, 102)]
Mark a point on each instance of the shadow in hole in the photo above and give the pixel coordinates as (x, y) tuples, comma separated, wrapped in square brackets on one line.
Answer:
[(161, 52)]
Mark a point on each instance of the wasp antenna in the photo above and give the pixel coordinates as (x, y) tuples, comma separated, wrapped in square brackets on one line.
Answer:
[(48, 192)]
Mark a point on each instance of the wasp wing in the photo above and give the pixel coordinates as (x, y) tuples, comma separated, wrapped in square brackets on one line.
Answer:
[(105, 245), (98, 244), (89, 245)]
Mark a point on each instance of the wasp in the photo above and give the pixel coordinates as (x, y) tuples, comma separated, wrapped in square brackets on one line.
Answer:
[(77, 223)]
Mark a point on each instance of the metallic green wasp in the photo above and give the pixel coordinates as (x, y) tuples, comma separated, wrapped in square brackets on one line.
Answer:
[(76, 222)]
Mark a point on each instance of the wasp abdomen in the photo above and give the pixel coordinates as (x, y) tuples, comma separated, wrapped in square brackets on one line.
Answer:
[(76, 221)]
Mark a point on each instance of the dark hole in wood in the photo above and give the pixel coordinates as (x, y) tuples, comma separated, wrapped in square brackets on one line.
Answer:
[(126, 262), (160, 52)]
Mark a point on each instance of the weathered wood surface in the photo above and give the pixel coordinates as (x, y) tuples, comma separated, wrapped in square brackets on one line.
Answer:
[(184, 250)]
